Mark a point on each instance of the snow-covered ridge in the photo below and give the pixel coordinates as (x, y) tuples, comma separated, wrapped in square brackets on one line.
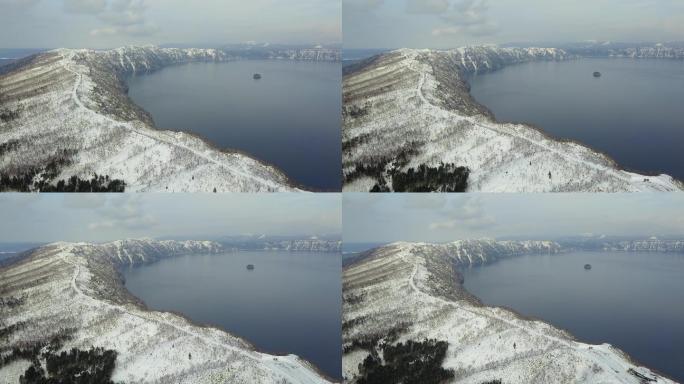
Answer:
[(651, 245), (66, 113), (134, 252), (313, 245), (73, 289), (408, 108), (465, 253), (489, 58), (137, 59), (629, 50), (306, 54), (411, 291)]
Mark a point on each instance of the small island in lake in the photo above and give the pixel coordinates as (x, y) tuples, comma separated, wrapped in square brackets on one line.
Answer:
[(257, 76), (587, 266), (597, 74)]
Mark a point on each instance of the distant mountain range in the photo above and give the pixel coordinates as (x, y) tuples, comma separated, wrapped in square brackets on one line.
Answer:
[(668, 50)]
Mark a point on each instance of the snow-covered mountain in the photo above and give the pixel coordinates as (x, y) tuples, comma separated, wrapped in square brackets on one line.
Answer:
[(313, 245), (649, 245), (412, 292), (630, 50), (411, 108), (72, 293), (65, 113), (263, 242), (636, 244)]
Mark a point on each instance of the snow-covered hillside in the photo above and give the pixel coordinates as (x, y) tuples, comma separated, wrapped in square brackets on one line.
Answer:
[(408, 108), (73, 290), (65, 113), (306, 245), (649, 245), (412, 291)]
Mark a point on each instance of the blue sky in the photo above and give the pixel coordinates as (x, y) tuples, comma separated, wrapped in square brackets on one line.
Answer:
[(113, 23), (105, 217), (454, 23), (448, 217)]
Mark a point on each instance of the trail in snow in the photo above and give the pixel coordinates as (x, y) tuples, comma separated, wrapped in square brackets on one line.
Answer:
[(538, 144), (592, 352), (171, 140), (488, 313), (284, 370)]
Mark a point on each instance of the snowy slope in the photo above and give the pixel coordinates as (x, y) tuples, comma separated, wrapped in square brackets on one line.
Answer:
[(74, 288), (307, 245), (413, 290), (71, 110), (411, 107)]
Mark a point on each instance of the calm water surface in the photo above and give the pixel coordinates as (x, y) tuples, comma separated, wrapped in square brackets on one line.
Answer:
[(633, 112), (290, 303), (631, 300), (290, 117)]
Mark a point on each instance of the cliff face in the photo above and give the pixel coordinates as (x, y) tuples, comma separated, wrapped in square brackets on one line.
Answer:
[(72, 291), (66, 113), (411, 108), (410, 292)]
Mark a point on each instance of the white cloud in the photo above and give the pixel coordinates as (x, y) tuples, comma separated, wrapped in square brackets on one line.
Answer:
[(465, 213), (126, 214), (85, 6), (17, 4), (360, 5), (84, 201), (427, 6), (121, 17), (467, 18)]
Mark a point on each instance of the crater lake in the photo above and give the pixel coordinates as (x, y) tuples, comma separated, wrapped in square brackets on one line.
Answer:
[(632, 112), (628, 299), (289, 303), (290, 117)]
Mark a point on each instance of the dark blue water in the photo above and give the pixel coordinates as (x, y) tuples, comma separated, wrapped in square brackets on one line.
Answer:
[(290, 302), (633, 112), (631, 300), (290, 117)]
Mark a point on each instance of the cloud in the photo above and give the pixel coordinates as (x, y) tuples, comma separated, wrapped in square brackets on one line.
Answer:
[(120, 17), (84, 201), (427, 6), (428, 202), (6, 5), (129, 30), (85, 6), (125, 213), (362, 5), (465, 213), (462, 17)]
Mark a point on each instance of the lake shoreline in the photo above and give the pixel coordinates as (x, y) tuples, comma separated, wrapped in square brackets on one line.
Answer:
[(250, 118), (218, 323), (572, 334), (469, 79)]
